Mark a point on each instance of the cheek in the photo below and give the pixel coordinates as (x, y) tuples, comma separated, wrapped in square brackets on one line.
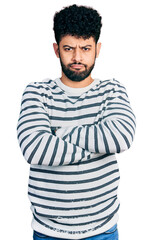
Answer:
[(66, 58), (90, 59)]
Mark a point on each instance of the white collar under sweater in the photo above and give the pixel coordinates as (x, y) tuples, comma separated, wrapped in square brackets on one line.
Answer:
[(75, 91)]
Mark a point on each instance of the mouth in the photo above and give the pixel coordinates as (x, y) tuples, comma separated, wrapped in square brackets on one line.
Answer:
[(77, 66)]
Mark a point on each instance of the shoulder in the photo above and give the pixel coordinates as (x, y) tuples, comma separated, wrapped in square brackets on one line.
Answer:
[(45, 86), (112, 87), (110, 84), (39, 90)]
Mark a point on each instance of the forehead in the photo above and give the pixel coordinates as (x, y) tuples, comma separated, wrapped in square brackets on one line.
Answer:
[(74, 41)]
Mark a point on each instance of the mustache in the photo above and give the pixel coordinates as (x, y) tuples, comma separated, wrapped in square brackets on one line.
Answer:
[(78, 63)]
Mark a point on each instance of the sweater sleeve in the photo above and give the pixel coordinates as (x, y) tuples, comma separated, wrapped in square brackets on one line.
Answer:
[(113, 132), (38, 144)]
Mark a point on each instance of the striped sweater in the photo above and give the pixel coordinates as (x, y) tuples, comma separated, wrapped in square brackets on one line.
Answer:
[(70, 141)]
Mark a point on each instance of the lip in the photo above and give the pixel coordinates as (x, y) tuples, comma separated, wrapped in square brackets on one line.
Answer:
[(77, 66)]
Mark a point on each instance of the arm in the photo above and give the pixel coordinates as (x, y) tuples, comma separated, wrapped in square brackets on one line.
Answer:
[(113, 133), (38, 144)]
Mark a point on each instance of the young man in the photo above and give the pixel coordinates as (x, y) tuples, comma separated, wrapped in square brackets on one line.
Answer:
[(69, 130)]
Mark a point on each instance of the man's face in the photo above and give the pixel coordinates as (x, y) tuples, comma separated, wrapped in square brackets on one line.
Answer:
[(77, 56)]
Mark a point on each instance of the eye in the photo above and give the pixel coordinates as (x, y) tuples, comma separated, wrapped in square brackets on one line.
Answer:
[(86, 49), (67, 49)]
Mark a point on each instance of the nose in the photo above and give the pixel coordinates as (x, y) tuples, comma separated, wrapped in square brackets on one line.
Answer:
[(77, 55)]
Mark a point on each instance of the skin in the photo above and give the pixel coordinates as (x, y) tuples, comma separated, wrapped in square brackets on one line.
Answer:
[(82, 52)]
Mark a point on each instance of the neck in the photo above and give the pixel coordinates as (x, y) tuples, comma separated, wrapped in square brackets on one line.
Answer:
[(84, 83)]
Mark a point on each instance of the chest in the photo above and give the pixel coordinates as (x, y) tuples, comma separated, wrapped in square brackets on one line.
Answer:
[(66, 111)]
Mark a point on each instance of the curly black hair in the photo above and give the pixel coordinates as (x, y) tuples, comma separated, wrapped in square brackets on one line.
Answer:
[(79, 21)]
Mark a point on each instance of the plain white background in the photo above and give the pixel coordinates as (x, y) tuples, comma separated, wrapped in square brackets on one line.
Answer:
[(26, 54)]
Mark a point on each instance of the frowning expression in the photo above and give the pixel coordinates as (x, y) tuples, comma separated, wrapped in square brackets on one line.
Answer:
[(77, 56)]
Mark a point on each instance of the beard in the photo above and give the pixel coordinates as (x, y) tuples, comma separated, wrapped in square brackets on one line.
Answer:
[(75, 75)]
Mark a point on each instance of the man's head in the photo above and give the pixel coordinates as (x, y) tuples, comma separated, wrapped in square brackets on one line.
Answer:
[(77, 30)]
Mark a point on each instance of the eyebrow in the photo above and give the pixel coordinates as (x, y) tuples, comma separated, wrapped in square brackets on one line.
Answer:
[(88, 45)]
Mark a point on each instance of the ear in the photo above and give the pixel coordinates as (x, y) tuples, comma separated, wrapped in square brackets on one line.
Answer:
[(56, 49), (98, 47)]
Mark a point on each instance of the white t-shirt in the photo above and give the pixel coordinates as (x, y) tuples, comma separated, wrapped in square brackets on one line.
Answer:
[(75, 91)]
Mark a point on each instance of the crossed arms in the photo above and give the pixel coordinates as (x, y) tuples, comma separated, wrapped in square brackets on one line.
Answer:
[(112, 133)]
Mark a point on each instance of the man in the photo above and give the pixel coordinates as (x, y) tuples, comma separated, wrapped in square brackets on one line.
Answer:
[(69, 130)]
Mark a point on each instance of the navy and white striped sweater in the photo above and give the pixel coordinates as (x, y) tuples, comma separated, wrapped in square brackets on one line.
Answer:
[(70, 143)]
